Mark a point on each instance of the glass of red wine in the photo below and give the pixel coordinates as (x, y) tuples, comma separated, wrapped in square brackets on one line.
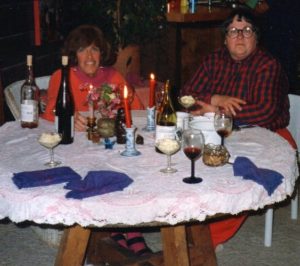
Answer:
[(193, 145), (223, 123)]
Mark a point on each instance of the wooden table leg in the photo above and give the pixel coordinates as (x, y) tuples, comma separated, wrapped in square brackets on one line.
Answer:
[(198, 251), (201, 247), (175, 247), (73, 246)]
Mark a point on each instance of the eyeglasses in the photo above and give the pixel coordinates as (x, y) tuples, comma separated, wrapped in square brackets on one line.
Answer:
[(247, 32)]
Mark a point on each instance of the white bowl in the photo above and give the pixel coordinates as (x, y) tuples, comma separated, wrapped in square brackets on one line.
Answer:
[(206, 125), (210, 115), (202, 123)]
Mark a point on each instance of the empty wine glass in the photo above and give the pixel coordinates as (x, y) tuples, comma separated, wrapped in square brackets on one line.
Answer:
[(169, 147), (223, 123), (193, 145), (50, 140), (187, 102)]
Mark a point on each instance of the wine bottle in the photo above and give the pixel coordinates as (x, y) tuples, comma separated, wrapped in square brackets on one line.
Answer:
[(29, 98), (64, 108), (166, 118)]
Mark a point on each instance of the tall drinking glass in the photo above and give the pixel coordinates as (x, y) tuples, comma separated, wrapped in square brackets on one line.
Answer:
[(223, 123)]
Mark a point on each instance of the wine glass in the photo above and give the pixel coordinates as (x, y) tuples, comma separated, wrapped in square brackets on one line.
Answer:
[(223, 123), (169, 147), (187, 102), (193, 144), (50, 140)]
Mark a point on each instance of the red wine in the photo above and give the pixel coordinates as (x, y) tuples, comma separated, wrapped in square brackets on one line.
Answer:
[(64, 108), (223, 133), (193, 153)]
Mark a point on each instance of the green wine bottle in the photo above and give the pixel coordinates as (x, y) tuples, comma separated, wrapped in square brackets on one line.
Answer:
[(166, 117)]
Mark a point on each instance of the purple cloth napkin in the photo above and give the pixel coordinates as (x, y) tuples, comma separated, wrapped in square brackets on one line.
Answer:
[(269, 179), (97, 183), (45, 177)]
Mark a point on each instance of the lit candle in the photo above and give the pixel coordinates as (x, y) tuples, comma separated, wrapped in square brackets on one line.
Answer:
[(91, 103), (152, 91), (126, 107)]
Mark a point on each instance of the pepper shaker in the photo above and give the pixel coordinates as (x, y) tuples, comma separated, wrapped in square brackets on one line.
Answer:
[(120, 126)]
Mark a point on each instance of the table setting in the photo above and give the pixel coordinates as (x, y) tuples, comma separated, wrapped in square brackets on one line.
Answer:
[(146, 194)]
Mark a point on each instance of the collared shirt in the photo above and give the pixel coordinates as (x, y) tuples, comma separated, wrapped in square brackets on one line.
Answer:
[(258, 79)]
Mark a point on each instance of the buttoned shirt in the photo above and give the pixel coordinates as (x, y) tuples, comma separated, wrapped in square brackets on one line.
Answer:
[(258, 79)]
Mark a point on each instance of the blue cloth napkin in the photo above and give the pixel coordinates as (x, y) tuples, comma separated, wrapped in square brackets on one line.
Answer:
[(45, 177), (97, 183), (269, 179)]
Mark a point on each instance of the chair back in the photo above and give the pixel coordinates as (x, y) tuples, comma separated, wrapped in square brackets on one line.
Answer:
[(13, 94), (294, 125)]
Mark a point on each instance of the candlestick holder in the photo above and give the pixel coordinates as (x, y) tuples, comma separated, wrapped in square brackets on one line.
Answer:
[(150, 119), (130, 149), (91, 123)]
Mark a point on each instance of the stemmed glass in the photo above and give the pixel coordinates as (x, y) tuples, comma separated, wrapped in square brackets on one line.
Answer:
[(187, 102), (50, 140), (193, 145), (223, 123), (169, 147)]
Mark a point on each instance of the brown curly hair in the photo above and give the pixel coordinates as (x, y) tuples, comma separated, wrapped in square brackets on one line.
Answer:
[(82, 37)]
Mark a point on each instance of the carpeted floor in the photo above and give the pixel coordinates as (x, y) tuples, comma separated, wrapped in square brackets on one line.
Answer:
[(21, 246)]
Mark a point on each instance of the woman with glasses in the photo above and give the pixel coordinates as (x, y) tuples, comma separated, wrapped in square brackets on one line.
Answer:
[(247, 81)]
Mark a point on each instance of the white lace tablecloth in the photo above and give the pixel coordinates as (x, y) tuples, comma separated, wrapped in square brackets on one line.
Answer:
[(153, 196)]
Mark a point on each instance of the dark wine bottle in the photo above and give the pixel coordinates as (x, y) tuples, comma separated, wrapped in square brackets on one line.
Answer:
[(64, 108), (166, 118), (29, 98)]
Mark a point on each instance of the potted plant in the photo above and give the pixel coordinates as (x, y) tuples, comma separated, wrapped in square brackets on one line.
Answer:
[(127, 24)]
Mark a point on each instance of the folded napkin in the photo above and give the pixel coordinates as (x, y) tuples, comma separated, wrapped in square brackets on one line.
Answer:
[(45, 177), (97, 183), (269, 179)]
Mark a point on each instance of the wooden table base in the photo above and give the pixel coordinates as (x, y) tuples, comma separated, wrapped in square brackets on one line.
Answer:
[(183, 245)]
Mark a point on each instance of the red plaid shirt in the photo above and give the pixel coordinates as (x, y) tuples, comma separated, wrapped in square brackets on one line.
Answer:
[(259, 80)]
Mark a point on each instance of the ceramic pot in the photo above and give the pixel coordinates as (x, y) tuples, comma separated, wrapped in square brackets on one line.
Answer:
[(106, 127)]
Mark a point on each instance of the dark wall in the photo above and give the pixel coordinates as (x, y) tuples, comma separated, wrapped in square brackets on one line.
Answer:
[(17, 40)]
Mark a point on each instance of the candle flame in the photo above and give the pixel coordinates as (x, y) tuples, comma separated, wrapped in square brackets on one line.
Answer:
[(125, 92), (152, 76)]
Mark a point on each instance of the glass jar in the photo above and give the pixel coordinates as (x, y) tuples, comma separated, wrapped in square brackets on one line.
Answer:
[(215, 155)]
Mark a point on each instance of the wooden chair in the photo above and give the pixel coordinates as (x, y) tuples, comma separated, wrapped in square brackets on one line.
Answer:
[(12, 94), (295, 131)]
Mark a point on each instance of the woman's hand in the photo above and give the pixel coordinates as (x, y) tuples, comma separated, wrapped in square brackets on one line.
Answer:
[(80, 122), (229, 103), (202, 108)]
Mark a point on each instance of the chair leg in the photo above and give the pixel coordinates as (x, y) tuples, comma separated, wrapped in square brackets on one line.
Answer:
[(294, 207), (268, 227)]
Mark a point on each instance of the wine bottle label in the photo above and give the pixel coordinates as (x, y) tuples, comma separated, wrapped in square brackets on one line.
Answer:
[(165, 132), (29, 111)]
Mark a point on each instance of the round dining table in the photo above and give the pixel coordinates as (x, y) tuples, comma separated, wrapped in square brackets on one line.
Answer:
[(152, 199)]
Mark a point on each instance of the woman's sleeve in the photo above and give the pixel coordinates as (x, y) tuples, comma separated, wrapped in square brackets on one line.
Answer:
[(198, 85), (51, 96)]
